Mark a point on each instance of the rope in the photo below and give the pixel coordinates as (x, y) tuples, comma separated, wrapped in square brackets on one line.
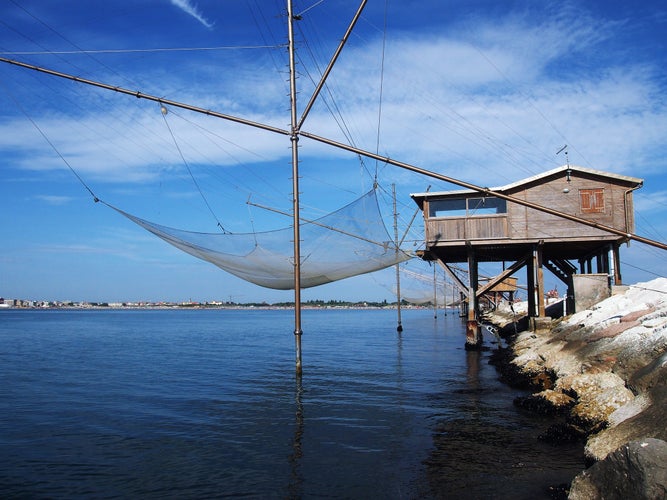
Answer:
[(307, 9), (164, 112), (643, 270), (130, 51), (252, 221), (53, 146), (384, 45), (330, 103)]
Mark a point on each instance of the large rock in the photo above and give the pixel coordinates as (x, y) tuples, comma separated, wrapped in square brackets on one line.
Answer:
[(648, 421), (636, 470), (650, 376), (597, 395)]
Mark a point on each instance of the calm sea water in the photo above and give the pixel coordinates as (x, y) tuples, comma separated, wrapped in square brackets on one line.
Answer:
[(205, 403)]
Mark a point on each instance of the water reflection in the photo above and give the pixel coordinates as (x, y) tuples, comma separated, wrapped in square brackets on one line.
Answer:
[(472, 369), (468, 444), (295, 486), (485, 446)]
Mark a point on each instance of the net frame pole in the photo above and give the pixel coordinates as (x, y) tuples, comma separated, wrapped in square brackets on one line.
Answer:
[(294, 138), (399, 326)]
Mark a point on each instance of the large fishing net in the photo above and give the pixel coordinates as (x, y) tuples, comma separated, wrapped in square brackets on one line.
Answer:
[(350, 241), (419, 285)]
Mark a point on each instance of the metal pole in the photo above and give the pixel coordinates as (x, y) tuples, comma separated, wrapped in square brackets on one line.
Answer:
[(294, 137), (148, 97), (332, 62), (399, 328)]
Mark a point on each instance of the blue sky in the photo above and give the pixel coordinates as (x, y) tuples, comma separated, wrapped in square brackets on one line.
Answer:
[(483, 91)]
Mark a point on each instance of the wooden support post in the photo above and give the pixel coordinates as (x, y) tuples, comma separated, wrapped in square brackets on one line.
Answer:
[(569, 299), (537, 313), (530, 282), (617, 264), (607, 257), (473, 333), (539, 275), (604, 267), (599, 262)]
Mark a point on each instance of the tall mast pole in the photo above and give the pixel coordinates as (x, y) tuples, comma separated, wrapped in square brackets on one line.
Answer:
[(294, 137), (399, 327)]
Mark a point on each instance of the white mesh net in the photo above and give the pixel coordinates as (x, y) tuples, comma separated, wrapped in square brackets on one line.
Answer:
[(421, 284), (350, 241), (420, 289)]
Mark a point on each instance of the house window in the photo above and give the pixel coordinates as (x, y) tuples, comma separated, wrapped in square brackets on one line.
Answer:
[(467, 207), (449, 207), (489, 205), (592, 200)]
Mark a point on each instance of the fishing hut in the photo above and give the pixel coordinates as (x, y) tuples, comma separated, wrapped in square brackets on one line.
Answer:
[(559, 220)]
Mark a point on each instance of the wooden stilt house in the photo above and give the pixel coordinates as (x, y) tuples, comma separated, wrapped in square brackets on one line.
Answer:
[(468, 226)]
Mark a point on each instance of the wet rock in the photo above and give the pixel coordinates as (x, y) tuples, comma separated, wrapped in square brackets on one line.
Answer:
[(562, 433), (635, 470), (548, 402), (520, 377), (597, 396)]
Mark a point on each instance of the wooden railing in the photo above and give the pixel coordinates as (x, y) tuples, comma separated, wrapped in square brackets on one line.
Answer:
[(467, 228)]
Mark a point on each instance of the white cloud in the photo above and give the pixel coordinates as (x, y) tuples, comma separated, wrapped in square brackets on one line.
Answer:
[(650, 202), (501, 108), (192, 10), (54, 199), (496, 102)]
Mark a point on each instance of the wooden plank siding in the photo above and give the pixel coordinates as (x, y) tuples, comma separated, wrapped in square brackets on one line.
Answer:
[(466, 228), (529, 223)]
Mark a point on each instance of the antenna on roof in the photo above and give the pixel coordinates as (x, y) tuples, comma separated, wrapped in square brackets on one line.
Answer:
[(567, 161)]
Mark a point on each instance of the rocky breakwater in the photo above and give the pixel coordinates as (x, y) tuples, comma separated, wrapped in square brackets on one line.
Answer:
[(604, 370)]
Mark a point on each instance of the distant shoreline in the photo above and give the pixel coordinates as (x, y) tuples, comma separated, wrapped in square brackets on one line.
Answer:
[(200, 307)]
